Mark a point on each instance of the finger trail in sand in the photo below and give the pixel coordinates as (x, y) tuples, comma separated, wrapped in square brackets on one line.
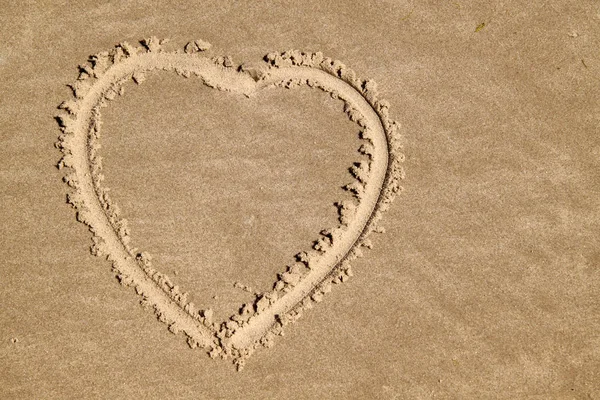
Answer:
[(376, 182)]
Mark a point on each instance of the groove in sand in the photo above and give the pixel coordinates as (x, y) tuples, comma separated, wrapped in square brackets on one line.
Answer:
[(376, 182)]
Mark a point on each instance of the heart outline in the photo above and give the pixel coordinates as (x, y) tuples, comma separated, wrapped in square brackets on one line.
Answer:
[(377, 183)]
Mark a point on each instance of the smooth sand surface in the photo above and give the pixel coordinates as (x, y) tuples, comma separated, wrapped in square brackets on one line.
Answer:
[(484, 283)]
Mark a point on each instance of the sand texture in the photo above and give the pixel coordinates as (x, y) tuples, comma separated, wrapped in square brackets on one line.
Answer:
[(238, 190)]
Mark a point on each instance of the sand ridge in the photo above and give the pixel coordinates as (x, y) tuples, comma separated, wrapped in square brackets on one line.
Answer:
[(376, 181)]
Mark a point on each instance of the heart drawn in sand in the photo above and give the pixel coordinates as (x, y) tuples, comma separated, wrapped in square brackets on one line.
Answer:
[(376, 181)]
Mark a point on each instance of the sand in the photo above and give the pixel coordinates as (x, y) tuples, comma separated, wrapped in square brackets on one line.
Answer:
[(232, 186)]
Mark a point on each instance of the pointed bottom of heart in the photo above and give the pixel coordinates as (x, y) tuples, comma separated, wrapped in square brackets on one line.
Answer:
[(375, 182)]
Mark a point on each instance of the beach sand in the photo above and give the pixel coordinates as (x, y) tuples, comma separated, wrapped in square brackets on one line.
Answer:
[(227, 186)]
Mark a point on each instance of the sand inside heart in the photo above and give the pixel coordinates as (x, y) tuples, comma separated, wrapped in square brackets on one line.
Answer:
[(228, 213)]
